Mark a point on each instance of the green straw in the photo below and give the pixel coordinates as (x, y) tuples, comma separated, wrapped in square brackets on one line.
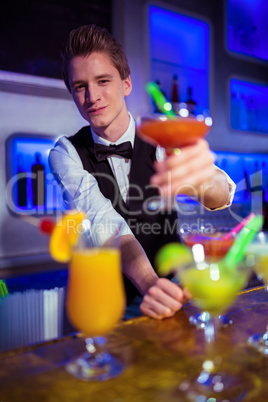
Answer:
[(159, 99), (3, 288), (236, 253)]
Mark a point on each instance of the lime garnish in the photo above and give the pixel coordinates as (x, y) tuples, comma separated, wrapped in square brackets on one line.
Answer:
[(171, 256)]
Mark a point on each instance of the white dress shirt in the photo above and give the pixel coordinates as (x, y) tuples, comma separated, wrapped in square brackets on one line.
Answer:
[(120, 166), (81, 190)]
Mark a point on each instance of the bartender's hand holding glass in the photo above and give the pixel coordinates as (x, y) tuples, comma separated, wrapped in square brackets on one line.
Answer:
[(185, 171), (174, 132)]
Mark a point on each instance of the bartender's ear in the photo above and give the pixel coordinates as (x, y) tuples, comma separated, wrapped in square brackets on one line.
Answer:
[(127, 86)]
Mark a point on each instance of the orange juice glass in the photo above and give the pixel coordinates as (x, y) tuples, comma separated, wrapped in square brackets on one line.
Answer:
[(96, 299), (95, 303)]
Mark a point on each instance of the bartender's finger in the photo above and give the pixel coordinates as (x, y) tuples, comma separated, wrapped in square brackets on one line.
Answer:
[(194, 151), (164, 298), (192, 185), (181, 171), (168, 287), (173, 303), (156, 309)]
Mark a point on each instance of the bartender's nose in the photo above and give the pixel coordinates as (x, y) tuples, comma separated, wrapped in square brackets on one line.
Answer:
[(92, 95)]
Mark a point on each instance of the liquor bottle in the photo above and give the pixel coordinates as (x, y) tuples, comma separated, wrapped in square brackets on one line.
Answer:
[(191, 104), (235, 112), (38, 181), (252, 115), (243, 113), (246, 192), (156, 108), (264, 197), (175, 94), (257, 191), (21, 183)]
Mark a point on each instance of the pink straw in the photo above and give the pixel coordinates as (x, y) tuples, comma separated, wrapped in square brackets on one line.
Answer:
[(237, 228)]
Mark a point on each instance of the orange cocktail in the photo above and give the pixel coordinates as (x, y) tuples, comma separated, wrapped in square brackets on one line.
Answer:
[(215, 247), (96, 299), (172, 133)]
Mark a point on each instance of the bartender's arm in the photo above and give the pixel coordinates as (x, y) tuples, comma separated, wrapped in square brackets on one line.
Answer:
[(192, 172), (161, 297)]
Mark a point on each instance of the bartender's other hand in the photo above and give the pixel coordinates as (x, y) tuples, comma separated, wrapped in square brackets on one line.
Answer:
[(163, 299), (186, 171)]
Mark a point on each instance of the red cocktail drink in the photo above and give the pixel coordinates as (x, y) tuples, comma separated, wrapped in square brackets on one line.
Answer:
[(215, 247), (172, 133)]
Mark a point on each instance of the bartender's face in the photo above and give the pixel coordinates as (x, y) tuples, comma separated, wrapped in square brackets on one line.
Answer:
[(99, 94)]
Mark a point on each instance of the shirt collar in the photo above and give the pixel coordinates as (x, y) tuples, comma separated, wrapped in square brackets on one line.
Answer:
[(128, 135)]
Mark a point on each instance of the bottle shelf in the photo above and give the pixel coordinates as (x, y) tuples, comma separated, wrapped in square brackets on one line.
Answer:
[(31, 187), (250, 173), (248, 106), (178, 44)]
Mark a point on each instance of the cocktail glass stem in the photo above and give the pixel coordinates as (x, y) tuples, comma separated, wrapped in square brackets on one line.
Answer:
[(159, 202), (95, 364), (212, 361), (200, 319), (260, 341)]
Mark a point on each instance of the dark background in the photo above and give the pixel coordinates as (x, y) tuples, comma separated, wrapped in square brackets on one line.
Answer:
[(32, 31)]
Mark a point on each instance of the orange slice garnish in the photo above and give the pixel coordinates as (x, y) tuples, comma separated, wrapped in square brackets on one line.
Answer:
[(64, 235)]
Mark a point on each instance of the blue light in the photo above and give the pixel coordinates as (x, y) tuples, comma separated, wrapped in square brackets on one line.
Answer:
[(179, 44), (248, 106), (247, 28), (178, 39), (26, 154)]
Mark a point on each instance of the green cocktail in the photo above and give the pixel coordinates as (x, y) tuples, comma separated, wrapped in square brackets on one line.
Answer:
[(213, 289), (259, 251)]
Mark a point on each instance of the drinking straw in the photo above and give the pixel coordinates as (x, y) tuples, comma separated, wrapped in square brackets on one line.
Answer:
[(243, 239), (238, 227), (159, 99), (3, 288)]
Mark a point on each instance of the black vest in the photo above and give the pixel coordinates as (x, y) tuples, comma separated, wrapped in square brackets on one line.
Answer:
[(151, 230)]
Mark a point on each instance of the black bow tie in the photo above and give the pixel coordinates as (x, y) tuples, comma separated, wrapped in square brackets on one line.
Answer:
[(102, 151)]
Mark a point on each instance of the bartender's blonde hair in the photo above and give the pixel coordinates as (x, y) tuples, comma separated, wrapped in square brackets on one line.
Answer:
[(88, 39)]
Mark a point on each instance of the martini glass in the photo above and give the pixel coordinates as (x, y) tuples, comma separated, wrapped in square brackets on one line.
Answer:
[(213, 287), (171, 133), (215, 247), (95, 303), (259, 251)]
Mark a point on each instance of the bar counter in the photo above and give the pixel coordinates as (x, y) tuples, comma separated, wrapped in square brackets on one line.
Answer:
[(158, 355)]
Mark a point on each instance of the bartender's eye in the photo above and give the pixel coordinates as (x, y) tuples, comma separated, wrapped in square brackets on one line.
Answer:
[(79, 87), (103, 82)]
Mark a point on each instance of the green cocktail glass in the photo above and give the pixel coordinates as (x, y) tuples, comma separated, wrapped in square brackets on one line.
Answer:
[(259, 251), (213, 287), (215, 248)]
